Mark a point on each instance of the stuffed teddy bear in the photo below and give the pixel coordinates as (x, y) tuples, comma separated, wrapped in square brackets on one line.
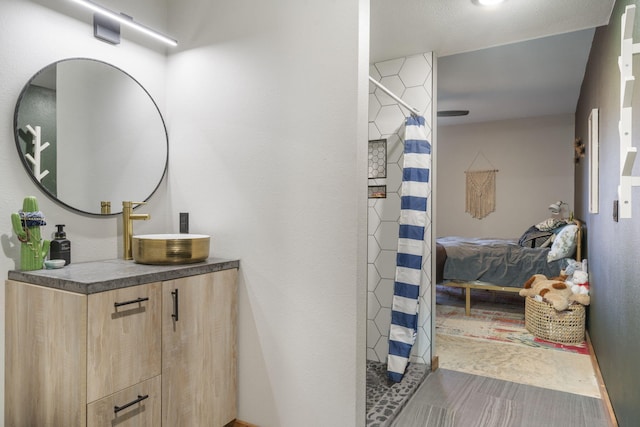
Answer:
[(579, 284), (554, 290), (578, 280)]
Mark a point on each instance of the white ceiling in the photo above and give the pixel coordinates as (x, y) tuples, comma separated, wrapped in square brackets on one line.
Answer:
[(527, 79), (481, 65)]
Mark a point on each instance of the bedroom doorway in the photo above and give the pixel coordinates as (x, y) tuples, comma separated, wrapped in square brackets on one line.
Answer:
[(515, 139), (517, 134)]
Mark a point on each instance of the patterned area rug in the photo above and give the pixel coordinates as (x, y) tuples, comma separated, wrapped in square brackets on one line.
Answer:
[(494, 343), (494, 325)]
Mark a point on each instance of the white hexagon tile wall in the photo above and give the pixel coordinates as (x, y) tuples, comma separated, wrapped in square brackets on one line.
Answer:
[(411, 79)]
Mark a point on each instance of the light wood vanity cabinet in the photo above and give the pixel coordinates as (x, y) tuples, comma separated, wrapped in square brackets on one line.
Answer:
[(123, 338), (156, 354), (145, 400), (199, 350), (45, 356)]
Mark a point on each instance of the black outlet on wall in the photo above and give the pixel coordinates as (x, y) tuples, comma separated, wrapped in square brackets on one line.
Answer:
[(615, 210), (184, 222)]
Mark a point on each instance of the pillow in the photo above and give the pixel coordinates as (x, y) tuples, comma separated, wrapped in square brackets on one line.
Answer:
[(550, 224), (564, 244)]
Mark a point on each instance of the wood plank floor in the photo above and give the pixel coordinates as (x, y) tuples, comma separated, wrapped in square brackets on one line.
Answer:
[(449, 398)]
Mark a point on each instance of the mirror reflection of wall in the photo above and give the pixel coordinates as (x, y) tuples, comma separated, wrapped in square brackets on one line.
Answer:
[(104, 153), (108, 139)]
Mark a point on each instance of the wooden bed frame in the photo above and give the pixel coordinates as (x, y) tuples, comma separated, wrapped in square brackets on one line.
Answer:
[(476, 284)]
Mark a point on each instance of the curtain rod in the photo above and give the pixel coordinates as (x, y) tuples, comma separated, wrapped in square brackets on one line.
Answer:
[(395, 97)]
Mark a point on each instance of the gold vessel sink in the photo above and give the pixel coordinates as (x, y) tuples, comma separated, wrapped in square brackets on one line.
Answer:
[(162, 249)]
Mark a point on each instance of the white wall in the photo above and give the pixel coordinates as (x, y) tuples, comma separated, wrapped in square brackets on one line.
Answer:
[(535, 161), (124, 129), (266, 113), (266, 153)]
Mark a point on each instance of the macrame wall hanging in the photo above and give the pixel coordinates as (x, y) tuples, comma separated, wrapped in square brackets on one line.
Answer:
[(481, 190)]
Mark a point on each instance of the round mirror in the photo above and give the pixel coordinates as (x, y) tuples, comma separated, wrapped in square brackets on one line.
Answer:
[(89, 133)]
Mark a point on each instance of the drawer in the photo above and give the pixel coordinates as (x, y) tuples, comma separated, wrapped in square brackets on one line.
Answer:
[(136, 406), (123, 338)]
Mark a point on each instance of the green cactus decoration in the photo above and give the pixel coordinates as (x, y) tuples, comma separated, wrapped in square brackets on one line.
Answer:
[(26, 224)]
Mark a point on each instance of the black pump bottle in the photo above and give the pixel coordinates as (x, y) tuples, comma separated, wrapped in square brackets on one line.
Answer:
[(60, 246)]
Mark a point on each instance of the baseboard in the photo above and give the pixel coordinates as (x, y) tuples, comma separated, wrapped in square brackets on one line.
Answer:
[(613, 422)]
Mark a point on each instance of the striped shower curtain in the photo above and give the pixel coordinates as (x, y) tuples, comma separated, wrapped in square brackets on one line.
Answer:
[(413, 220)]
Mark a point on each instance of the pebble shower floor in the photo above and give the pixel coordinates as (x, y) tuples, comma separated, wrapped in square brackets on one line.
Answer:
[(385, 399)]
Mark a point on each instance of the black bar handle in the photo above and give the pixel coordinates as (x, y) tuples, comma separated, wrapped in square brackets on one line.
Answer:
[(140, 398), (175, 305), (135, 301)]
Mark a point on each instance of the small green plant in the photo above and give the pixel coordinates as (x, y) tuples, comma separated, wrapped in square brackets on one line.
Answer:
[(26, 224)]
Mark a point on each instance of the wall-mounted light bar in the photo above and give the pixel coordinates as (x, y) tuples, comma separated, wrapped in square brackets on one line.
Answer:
[(124, 20), (487, 2)]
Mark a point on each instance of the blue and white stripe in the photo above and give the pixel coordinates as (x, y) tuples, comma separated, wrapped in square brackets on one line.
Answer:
[(413, 221)]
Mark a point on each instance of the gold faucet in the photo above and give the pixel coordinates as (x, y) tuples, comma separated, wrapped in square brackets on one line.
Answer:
[(127, 225)]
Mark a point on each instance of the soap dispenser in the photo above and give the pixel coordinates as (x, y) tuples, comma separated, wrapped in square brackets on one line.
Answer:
[(60, 246)]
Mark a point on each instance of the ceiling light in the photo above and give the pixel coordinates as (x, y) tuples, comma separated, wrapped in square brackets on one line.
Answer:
[(109, 31), (486, 2)]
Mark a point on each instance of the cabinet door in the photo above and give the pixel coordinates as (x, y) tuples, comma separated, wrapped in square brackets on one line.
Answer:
[(137, 406), (124, 338), (199, 350), (45, 360)]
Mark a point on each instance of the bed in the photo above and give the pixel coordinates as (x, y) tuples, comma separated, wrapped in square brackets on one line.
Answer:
[(505, 264)]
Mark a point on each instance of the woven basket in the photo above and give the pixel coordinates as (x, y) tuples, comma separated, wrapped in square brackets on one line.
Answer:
[(545, 322)]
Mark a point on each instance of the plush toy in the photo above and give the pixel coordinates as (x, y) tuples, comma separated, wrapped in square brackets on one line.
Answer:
[(578, 280), (554, 291), (579, 284), (572, 266)]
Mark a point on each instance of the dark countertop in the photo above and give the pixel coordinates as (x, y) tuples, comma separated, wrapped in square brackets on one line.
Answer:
[(100, 276)]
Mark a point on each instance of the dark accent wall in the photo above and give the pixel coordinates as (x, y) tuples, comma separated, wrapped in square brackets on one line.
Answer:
[(613, 247)]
